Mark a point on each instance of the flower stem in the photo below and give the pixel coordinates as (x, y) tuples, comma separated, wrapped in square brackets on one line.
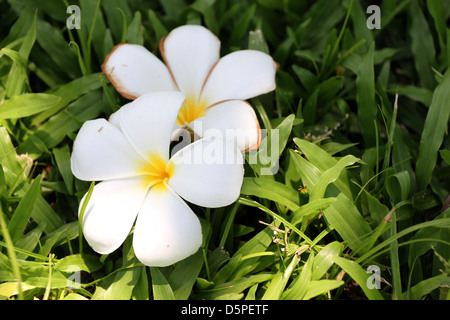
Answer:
[(80, 219), (49, 282), (11, 254), (208, 274), (228, 225)]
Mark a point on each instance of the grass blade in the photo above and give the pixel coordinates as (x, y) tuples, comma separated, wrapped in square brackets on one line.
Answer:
[(421, 38), (323, 260), (359, 275), (365, 98), (330, 176), (27, 105), (395, 262), (280, 280), (345, 218), (17, 78), (62, 158), (270, 189), (300, 285), (11, 254), (426, 286), (23, 212), (433, 132)]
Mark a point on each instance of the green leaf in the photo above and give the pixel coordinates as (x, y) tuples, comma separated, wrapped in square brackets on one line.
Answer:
[(8, 156), (437, 11), (23, 212), (270, 189), (242, 25), (227, 271), (75, 296), (420, 94), (433, 132), (92, 32), (52, 41), (64, 122), (335, 147), (307, 171), (445, 154), (345, 218), (9, 289), (17, 58), (265, 161), (398, 186), (311, 207), (359, 275), (135, 31), (428, 285), (279, 282), (43, 213), (40, 277), (298, 288), (20, 28), (307, 78), (184, 276), (158, 27), (323, 260), (126, 278), (231, 288), (85, 262), (316, 288), (27, 104), (68, 93), (58, 235), (322, 161), (395, 262), (115, 11), (235, 267), (141, 290), (330, 176), (17, 78), (256, 41), (205, 7), (12, 258), (62, 158), (365, 98), (359, 19), (161, 287), (436, 223), (28, 242), (421, 37)]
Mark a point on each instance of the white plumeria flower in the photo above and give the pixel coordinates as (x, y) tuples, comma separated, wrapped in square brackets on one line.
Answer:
[(214, 87), (130, 156)]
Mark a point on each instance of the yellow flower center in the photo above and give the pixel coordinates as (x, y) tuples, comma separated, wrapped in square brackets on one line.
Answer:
[(190, 110), (156, 172)]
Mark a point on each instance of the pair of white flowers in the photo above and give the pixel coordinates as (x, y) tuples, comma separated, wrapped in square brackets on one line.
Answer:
[(141, 184)]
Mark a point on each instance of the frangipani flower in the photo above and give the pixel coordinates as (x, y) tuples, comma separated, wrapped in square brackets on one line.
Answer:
[(130, 156), (214, 88)]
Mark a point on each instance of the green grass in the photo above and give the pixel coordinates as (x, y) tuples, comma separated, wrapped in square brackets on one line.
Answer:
[(364, 169)]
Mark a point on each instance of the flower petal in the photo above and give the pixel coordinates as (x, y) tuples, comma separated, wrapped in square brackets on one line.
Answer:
[(240, 75), (114, 119), (133, 70), (101, 152), (166, 230), (208, 172), (233, 120), (190, 52), (148, 122), (111, 212)]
